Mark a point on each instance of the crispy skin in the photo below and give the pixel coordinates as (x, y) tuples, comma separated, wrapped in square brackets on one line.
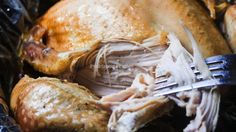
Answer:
[(77, 26), (47, 104), (74, 24), (230, 24), (73, 27), (195, 18)]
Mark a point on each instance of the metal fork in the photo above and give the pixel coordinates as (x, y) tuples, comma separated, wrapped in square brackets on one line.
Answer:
[(223, 72)]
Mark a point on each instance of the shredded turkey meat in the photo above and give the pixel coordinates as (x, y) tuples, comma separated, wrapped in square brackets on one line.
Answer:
[(204, 104), (113, 66), (124, 73), (134, 106)]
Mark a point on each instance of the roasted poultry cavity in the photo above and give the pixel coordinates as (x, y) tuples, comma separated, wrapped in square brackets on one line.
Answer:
[(114, 46)]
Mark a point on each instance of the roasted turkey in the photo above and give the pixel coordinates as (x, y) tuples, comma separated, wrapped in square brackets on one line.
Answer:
[(117, 48), (73, 27)]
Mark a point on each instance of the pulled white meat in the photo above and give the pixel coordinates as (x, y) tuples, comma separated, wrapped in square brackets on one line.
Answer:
[(204, 104), (206, 113), (124, 71), (113, 66), (134, 107), (124, 74)]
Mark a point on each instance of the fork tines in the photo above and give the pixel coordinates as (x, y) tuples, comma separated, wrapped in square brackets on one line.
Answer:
[(222, 69)]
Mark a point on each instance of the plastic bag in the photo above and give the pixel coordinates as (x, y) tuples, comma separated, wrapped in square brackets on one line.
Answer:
[(14, 18)]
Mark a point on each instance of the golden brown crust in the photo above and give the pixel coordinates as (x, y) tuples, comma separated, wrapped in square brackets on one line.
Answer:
[(77, 26), (73, 27), (230, 24), (169, 13), (71, 24), (47, 104), (17, 91)]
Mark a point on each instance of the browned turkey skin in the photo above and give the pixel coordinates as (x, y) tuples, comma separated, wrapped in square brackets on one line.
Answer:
[(82, 32), (230, 24), (73, 27), (48, 104)]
